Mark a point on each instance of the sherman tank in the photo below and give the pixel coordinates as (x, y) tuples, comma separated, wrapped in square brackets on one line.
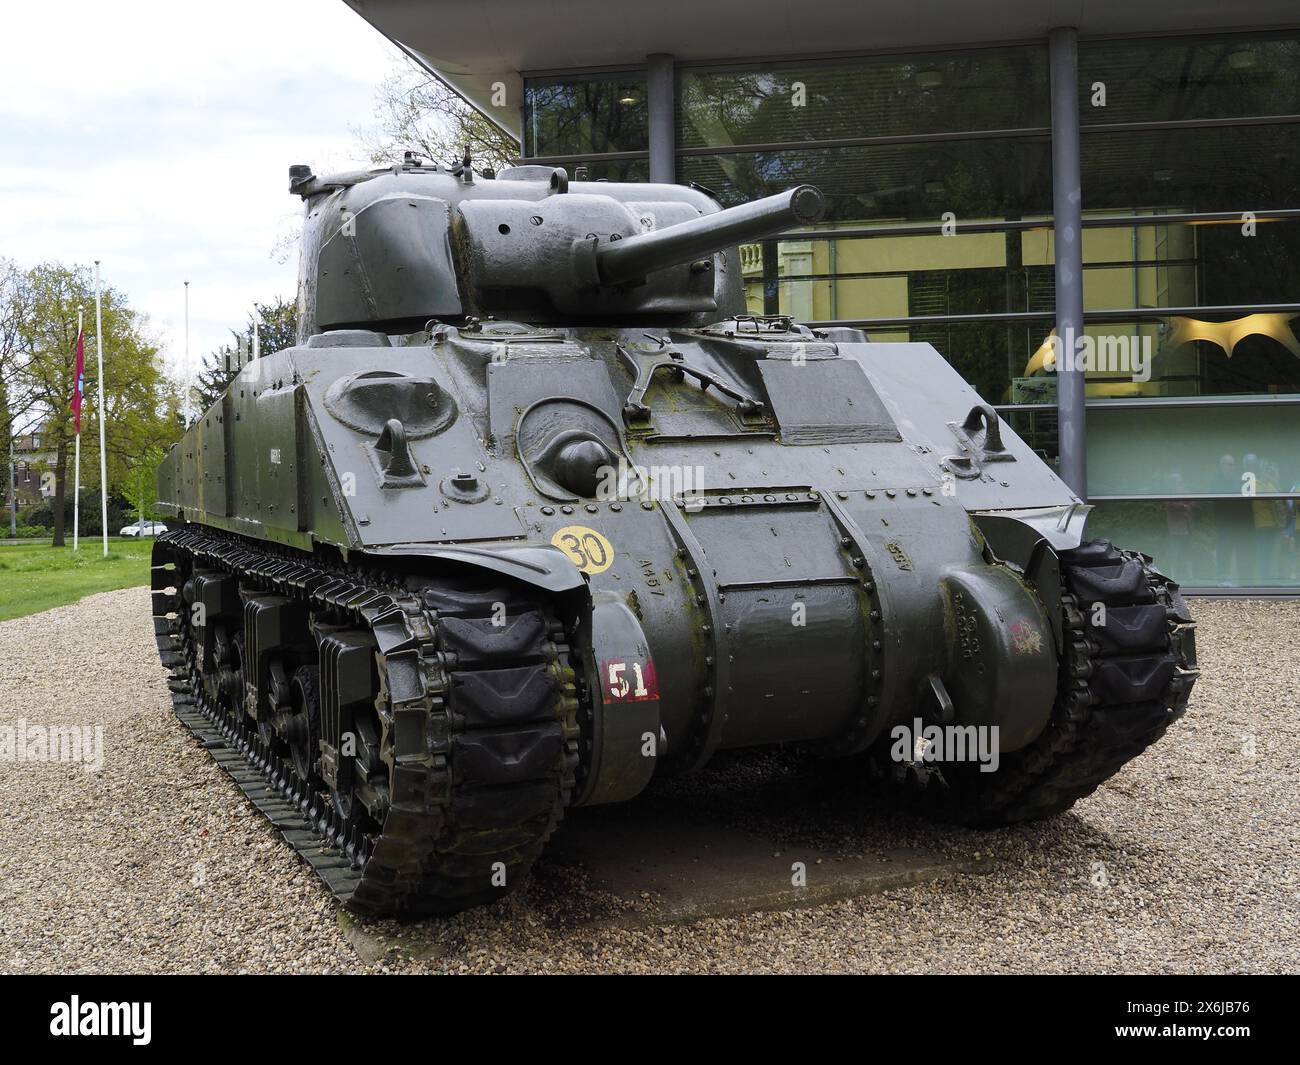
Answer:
[(535, 512)]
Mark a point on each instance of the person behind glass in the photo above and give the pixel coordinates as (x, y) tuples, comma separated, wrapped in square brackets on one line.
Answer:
[(1266, 518), (1178, 526), (1232, 523), (1290, 554)]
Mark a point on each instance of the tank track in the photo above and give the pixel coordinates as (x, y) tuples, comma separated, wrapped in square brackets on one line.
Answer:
[(498, 702), (1123, 682)]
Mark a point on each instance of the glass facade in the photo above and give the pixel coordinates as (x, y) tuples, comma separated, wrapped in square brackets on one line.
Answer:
[(811, 101), (1218, 441), (1190, 155), (586, 116)]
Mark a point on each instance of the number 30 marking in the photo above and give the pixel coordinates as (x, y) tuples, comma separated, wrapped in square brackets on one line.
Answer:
[(586, 548)]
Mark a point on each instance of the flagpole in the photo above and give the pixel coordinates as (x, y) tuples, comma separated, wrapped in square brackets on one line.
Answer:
[(103, 458), (76, 480), (13, 485), (189, 404)]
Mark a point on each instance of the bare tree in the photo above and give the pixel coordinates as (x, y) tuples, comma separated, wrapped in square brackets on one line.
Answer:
[(13, 300), (414, 111), (15, 401)]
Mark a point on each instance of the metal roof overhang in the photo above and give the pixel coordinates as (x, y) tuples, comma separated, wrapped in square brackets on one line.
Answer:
[(474, 44)]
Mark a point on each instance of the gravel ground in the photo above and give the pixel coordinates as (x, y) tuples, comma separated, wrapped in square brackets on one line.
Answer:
[(1188, 861)]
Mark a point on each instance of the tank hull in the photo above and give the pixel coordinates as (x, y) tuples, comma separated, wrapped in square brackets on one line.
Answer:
[(804, 579), (427, 588)]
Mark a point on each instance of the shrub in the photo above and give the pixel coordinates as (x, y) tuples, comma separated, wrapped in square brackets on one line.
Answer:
[(119, 513)]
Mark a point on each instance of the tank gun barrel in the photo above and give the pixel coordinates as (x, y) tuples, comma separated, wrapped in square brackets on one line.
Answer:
[(634, 257)]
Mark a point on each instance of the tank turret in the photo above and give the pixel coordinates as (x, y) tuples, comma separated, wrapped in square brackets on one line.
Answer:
[(391, 249)]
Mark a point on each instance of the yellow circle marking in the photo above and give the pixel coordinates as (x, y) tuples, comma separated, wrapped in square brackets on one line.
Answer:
[(586, 548)]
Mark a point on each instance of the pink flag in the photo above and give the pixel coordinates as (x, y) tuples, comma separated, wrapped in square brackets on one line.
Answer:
[(81, 377)]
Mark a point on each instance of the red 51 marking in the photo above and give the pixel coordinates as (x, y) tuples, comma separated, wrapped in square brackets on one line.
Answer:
[(629, 680)]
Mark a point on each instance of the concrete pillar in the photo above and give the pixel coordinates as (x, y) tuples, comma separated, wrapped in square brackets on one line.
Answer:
[(1067, 211), (661, 106)]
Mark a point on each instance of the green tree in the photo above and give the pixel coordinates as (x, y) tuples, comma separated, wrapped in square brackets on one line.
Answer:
[(140, 402), (277, 325), (218, 370), (14, 297), (140, 483)]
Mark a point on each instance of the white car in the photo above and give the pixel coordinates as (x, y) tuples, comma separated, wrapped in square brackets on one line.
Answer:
[(143, 528)]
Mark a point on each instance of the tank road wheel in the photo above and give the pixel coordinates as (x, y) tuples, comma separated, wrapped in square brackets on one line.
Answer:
[(363, 804), (227, 681), (300, 727), (235, 697), (1127, 675)]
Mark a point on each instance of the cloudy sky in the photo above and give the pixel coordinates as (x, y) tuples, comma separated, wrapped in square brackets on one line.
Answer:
[(157, 137)]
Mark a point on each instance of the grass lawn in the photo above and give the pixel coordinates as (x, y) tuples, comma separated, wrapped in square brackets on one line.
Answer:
[(37, 576)]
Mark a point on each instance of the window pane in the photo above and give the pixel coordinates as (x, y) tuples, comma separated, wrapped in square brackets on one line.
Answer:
[(977, 179), (1196, 450), (1230, 543), (1236, 268), (1244, 168), (972, 273), (1183, 265), (889, 277), (823, 100), (584, 116), (1149, 81), (1256, 354)]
